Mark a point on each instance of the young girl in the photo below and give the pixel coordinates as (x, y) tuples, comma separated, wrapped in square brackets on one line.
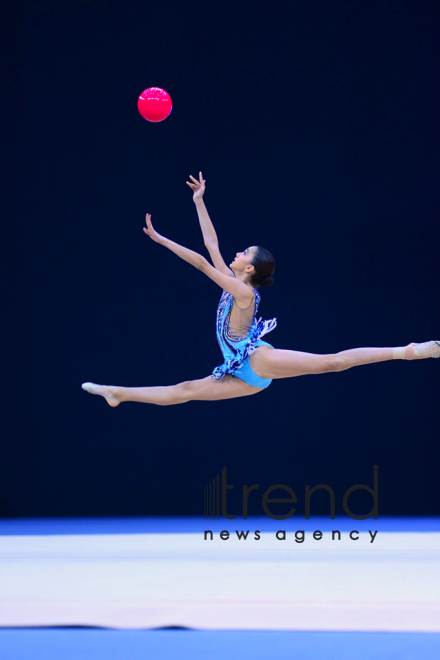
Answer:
[(250, 363)]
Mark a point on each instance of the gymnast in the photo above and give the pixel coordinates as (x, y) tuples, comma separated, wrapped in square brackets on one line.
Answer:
[(250, 363)]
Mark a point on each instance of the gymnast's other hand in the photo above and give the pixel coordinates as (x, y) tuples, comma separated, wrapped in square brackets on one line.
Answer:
[(198, 187), (150, 231)]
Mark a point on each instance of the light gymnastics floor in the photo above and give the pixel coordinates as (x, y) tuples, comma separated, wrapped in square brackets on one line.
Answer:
[(137, 574)]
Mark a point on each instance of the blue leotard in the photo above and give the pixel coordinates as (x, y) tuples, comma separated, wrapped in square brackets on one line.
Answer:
[(236, 350)]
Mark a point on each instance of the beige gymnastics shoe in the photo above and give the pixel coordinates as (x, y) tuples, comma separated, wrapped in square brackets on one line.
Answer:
[(90, 387), (427, 349), (93, 387)]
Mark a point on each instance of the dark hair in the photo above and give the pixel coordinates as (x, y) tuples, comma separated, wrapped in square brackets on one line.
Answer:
[(264, 265)]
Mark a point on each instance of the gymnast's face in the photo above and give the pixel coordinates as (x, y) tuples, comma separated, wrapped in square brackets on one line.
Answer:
[(243, 260)]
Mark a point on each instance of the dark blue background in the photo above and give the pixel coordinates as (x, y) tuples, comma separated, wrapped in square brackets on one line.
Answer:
[(316, 127)]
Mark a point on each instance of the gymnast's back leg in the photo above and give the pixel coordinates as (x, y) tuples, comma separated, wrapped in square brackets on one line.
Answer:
[(204, 389), (278, 363)]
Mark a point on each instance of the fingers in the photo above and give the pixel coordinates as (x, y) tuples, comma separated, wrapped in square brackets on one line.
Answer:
[(197, 185), (149, 228)]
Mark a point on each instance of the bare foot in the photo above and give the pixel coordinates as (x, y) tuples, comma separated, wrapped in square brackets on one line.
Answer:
[(421, 351), (109, 392)]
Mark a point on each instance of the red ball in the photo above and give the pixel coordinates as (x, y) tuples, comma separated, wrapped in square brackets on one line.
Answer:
[(155, 104)]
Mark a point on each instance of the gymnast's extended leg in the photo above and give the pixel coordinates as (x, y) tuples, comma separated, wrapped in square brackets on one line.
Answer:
[(278, 363), (204, 389)]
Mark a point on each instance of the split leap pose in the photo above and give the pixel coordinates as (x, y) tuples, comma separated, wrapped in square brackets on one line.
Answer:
[(250, 363)]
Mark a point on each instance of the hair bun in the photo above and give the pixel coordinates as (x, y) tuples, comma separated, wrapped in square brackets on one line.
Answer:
[(266, 281), (264, 267)]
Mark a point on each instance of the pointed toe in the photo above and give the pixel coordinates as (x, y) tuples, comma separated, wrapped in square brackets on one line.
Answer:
[(435, 349), (90, 387)]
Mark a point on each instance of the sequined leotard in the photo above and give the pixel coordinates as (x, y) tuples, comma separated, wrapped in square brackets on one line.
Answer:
[(236, 350)]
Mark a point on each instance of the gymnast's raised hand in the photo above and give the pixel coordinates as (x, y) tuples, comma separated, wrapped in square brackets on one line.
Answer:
[(150, 231), (198, 187)]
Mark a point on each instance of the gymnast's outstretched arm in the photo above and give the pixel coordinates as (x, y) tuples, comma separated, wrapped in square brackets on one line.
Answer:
[(208, 231), (241, 292)]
